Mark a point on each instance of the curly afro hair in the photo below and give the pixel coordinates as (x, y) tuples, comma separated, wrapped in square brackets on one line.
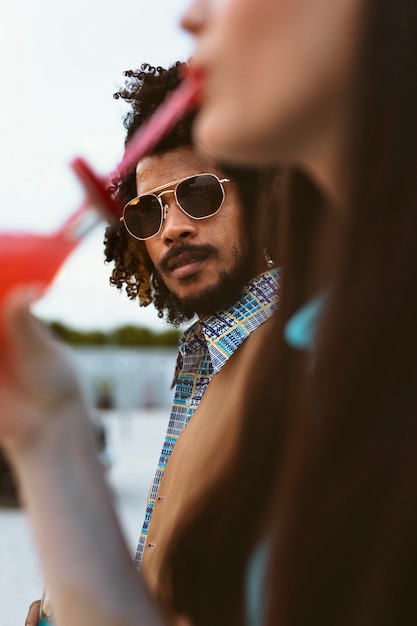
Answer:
[(145, 89)]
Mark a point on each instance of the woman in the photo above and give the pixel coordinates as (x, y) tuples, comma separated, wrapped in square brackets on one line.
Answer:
[(326, 87)]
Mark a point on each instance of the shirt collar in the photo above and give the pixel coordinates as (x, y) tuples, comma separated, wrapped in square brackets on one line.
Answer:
[(227, 330), (222, 333)]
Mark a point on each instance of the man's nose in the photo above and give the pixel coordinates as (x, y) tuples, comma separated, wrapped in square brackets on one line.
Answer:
[(176, 224)]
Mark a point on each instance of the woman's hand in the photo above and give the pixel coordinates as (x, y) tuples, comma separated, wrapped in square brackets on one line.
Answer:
[(37, 381)]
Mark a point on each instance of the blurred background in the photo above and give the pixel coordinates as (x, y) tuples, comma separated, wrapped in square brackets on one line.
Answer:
[(61, 62)]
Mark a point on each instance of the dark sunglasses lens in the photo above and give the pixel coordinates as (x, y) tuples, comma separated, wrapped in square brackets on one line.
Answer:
[(143, 216), (200, 196)]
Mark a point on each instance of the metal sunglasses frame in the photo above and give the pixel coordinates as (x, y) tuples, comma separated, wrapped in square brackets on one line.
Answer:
[(163, 189)]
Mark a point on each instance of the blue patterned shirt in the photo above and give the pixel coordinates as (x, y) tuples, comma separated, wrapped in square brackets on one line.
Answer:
[(203, 350)]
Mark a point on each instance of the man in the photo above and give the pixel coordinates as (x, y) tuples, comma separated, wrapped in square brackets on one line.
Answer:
[(186, 244), (190, 266)]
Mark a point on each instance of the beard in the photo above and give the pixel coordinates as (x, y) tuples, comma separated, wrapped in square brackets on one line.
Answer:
[(218, 297)]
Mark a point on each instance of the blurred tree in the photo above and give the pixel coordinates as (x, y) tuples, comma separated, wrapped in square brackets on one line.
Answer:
[(123, 336)]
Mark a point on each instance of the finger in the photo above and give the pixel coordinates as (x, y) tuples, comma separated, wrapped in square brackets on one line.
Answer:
[(33, 614), (22, 331)]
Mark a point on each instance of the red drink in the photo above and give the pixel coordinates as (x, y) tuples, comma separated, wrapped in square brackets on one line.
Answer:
[(30, 258)]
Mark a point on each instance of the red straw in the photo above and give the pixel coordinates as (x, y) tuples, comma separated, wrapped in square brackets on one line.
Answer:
[(176, 105)]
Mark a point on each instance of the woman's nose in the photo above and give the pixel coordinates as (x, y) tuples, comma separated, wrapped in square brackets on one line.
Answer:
[(194, 16)]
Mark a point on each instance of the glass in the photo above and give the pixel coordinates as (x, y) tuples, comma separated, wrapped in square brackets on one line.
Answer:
[(32, 258)]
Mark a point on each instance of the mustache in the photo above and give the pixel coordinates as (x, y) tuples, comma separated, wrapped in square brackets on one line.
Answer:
[(200, 251)]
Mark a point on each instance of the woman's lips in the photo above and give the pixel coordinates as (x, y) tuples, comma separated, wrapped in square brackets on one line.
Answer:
[(197, 76), (195, 73)]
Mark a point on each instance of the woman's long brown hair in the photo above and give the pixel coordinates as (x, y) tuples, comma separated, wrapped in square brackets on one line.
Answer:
[(327, 464)]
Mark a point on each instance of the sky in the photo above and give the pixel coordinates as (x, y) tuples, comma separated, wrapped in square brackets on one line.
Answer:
[(60, 64)]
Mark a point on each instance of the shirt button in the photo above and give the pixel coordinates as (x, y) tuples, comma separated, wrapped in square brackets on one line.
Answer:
[(189, 401)]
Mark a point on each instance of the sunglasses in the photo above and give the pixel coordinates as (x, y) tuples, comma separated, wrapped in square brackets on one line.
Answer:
[(198, 196)]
